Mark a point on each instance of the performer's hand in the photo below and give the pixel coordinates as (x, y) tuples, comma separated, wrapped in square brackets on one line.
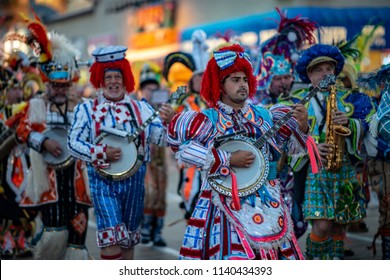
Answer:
[(340, 118), (242, 159), (299, 112), (324, 150), (113, 154), (52, 147), (166, 113)]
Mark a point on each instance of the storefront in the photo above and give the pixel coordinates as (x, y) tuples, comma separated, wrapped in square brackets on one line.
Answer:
[(336, 24)]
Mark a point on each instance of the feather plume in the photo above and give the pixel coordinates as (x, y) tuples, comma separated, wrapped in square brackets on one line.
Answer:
[(364, 41), (346, 48), (372, 82), (63, 51), (303, 27), (38, 30)]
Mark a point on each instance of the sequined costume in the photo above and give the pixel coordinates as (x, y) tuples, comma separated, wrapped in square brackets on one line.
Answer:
[(118, 223), (64, 201), (13, 172), (377, 144), (215, 231), (336, 196)]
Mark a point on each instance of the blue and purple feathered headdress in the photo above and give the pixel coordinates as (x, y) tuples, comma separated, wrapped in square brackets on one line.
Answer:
[(280, 53)]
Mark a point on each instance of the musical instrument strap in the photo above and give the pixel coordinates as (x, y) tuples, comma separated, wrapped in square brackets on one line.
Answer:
[(323, 111), (134, 119)]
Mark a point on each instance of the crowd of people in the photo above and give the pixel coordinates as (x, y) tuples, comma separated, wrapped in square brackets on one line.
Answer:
[(262, 151)]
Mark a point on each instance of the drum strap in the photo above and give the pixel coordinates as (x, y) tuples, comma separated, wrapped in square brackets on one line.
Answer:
[(63, 114)]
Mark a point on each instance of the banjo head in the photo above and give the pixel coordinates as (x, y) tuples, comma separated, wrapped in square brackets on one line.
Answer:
[(249, 180), (64, 160), (131, 160)]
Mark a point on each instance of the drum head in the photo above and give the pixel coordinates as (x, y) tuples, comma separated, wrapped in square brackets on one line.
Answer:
[(59, 135), (128, 159), (248, 179)]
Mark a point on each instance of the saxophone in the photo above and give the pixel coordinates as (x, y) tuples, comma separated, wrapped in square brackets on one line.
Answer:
[(335, 134)]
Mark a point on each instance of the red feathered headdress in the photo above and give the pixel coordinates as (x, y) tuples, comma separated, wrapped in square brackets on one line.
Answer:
[(225, 61), (39, 31), (111, 58)]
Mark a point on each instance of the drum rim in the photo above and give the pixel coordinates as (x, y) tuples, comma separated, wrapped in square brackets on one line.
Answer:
[(125, 174), (68, 160), (257, 184)]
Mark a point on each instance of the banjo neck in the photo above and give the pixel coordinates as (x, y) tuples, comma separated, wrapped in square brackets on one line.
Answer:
[(174, 96), (259, 143)]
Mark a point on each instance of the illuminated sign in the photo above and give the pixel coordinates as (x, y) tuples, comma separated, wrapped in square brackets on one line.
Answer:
[(155, 26)]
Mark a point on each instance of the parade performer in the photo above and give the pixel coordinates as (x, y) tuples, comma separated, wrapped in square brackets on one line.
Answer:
[(276, 76), (256, 225), (333, 197), (377, 144), (156, 170), (278, 57), (118, 203), (20, 81), (16, 231), (190, 178), (57, 183)]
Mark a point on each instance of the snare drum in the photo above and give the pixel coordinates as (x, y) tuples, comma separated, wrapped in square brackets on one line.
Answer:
[(64, 160)]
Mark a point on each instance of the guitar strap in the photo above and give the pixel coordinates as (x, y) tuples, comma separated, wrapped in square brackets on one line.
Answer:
[(323, 111), (136, 119)]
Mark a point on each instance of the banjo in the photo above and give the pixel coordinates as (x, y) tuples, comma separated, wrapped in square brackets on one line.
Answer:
[(60, 135), (249, 180), (132, 150)]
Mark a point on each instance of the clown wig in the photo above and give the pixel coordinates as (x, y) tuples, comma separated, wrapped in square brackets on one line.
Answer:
[(99, 68), (214, 75)]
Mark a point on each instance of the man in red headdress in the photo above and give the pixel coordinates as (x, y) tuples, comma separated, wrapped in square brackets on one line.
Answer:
[(232, 219), (118, 203)]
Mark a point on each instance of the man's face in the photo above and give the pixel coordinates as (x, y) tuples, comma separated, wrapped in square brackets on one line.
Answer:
[(235, 89), (113, 85), (58, 92), (318, 72), (147, 90), (281, 84)]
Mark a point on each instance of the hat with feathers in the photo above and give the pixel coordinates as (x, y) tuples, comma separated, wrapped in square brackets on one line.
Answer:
[(62, 67), (317, 54), (280, 53), (57, 58)]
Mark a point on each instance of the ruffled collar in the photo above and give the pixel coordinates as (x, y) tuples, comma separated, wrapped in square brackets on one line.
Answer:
[(226, 109)]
